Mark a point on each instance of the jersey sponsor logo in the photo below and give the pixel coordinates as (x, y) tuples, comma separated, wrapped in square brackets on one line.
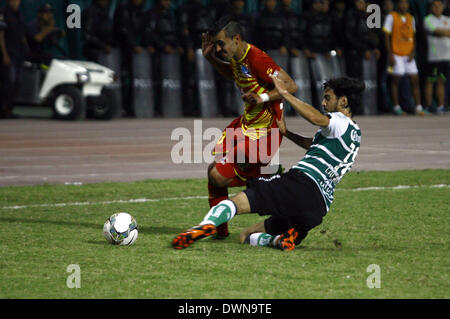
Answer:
[(331, 174), (245, 71), (218, 211), (355, 137), (327, 189)]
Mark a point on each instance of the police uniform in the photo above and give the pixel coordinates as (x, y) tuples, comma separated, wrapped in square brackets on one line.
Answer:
[(97, 31), (13, 26)]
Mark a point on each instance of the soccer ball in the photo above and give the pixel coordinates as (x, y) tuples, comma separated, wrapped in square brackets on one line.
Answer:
[(121, 229)]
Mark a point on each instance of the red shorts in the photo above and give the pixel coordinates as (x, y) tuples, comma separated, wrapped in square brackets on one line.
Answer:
[(243, 156)]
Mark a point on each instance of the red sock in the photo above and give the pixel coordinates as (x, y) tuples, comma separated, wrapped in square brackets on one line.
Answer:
[(216, 194)]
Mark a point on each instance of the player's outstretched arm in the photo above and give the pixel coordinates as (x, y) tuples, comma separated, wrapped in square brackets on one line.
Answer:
[(209, 52), (302, 141), (307, 111), (289, 83)]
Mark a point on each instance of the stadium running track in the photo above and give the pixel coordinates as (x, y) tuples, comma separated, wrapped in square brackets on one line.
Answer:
[(45, 151)]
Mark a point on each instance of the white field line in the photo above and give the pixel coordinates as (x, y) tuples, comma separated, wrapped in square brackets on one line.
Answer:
[(153, 200)]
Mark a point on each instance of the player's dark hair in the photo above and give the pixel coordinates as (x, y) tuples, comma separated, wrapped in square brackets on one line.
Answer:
[(228, 24), (351, 88)]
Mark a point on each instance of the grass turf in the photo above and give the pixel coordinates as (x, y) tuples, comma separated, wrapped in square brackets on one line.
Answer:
[(404, 231)]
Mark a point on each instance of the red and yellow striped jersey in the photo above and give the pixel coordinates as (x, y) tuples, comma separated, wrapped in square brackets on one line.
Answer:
[(251, 74)]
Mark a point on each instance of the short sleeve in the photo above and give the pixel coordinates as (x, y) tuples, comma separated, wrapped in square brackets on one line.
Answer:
[(337, 126), (263, 66), (387, 27)]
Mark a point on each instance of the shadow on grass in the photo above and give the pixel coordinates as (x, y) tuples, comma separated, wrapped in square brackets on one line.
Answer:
[(99, 242), (142, 229)]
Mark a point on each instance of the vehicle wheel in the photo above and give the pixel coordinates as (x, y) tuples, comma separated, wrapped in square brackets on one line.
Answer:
[(105, 106), (69, 104)]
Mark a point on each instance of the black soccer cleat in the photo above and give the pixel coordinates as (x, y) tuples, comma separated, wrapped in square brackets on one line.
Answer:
[(286, 241), (193, 234)]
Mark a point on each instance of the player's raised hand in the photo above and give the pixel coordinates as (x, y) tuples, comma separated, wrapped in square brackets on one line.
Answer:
[(251, 98), (207, 45), (279, 84)]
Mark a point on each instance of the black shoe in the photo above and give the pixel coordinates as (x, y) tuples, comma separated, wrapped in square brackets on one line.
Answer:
[(287, 240)]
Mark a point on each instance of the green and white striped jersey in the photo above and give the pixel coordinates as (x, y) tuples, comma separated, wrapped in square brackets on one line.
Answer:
[(331, 154)]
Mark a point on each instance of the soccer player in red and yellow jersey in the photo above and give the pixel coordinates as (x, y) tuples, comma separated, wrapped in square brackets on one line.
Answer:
[(251, 70)]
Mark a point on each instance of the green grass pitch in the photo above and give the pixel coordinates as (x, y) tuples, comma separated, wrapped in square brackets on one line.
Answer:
[(405, 231)]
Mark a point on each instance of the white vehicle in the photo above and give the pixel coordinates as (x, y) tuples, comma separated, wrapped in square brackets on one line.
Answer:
[(74, 89)]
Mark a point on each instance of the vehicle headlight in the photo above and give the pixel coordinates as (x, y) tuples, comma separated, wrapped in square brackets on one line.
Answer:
[(83, 77), (113, 76)]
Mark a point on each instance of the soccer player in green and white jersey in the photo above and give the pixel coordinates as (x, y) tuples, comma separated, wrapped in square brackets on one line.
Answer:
[(297, 200)]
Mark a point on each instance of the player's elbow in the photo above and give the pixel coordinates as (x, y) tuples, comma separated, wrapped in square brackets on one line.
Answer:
[(292, 86)]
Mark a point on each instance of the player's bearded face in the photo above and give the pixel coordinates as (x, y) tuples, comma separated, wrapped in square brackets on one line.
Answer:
[(225, 47), (330, 101)]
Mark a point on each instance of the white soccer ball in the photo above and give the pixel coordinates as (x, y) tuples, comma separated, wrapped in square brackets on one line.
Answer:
[(121, 229)]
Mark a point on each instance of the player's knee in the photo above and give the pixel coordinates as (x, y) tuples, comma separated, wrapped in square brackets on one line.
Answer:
[(215, 178)]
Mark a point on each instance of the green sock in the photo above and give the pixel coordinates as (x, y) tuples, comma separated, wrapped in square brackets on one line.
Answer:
[(261, 239), (221, 213)]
